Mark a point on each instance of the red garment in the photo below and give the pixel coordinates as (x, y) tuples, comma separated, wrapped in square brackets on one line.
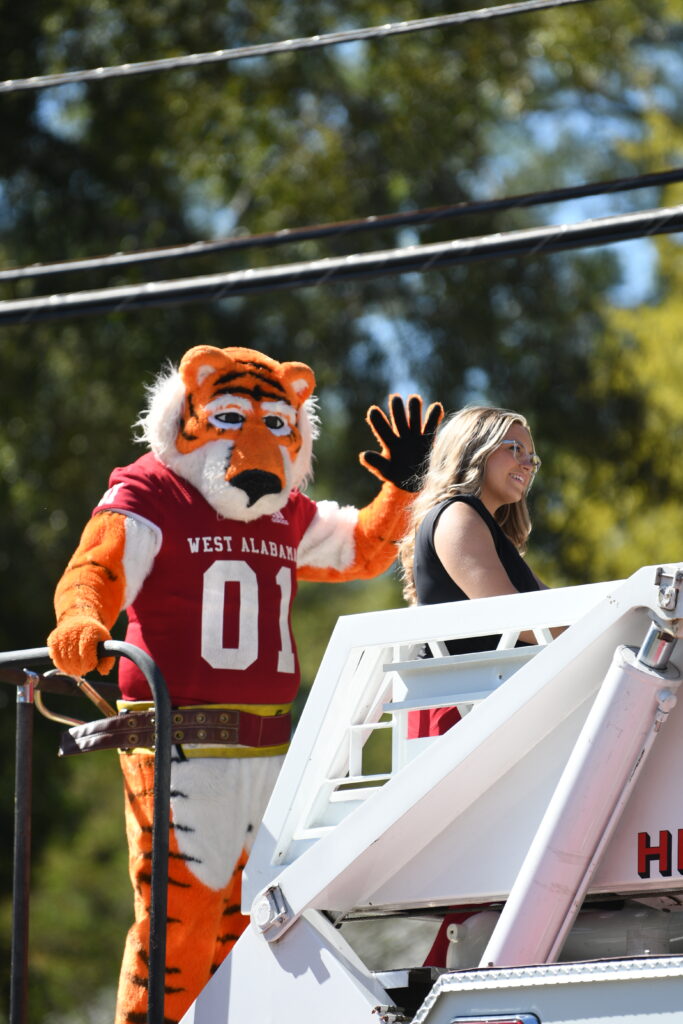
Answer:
[(431, 722), (214, 612)]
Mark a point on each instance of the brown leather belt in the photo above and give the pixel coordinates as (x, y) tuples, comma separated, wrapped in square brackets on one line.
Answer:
[(225, 726)]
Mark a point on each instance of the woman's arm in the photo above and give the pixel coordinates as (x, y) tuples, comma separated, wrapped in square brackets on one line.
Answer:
[(465, 547)]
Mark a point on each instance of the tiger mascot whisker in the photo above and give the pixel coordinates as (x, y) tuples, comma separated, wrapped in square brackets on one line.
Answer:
[(202, 541)]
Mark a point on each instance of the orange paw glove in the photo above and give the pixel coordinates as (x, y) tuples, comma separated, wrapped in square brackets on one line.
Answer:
[(73, 646)]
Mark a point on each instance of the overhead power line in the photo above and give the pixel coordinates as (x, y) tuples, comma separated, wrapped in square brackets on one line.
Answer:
[(347, 227), (285, 46), (414, 258)]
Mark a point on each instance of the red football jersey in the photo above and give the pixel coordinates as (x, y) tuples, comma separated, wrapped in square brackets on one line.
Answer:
[(214, 612)]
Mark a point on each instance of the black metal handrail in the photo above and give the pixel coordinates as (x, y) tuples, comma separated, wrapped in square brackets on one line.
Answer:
[(18, 668)]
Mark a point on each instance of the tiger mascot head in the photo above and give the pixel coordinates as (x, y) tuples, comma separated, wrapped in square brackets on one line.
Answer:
[(238, 425)]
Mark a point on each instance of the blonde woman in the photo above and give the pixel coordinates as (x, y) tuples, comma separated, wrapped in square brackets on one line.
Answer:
[(469, 526)]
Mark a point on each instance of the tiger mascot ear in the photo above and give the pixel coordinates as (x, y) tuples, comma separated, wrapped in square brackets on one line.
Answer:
[(238, 425), (200, 362)]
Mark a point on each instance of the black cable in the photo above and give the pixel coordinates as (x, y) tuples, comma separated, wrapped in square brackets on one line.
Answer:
[(346, 227), (410, 259), (286, 46)]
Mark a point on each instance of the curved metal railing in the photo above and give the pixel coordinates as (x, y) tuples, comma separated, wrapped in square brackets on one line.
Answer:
[(18, 669)]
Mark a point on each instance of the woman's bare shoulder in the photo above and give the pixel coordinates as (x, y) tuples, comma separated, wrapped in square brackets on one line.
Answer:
[(461, 512), (461, 521)]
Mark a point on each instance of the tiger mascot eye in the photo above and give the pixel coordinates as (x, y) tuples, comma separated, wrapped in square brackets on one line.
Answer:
[(202, 541)]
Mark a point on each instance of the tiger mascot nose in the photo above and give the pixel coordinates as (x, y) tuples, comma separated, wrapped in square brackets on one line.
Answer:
[(256, 483), (258, 464)]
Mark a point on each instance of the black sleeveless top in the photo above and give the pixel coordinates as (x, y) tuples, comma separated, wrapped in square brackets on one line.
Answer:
[(433, 585)]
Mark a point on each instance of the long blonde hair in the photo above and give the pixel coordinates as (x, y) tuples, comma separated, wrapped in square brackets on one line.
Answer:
[(456, 466)]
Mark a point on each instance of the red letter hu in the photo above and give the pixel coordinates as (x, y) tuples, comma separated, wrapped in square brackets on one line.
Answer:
[(648, 853)]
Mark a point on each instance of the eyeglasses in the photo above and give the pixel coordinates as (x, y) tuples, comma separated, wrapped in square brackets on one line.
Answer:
[(521, 455)]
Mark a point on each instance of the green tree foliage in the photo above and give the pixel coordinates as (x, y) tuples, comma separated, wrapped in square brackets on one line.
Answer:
[(622, 502), (621, 513), (407, 122)]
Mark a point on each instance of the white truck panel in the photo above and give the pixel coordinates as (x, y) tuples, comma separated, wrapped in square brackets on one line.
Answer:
[(314, 976), (646, 991), (450, 820)]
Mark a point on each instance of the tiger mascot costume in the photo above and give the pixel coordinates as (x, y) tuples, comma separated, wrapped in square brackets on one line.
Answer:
[(202, 541)]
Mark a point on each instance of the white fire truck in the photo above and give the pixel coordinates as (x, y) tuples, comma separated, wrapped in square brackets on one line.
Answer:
[(551, 814)]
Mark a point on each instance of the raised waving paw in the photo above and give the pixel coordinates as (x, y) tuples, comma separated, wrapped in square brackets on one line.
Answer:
[(405, 439)]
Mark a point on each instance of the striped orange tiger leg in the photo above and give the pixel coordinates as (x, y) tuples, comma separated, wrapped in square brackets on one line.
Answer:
[(195, 912), (233, 921)]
